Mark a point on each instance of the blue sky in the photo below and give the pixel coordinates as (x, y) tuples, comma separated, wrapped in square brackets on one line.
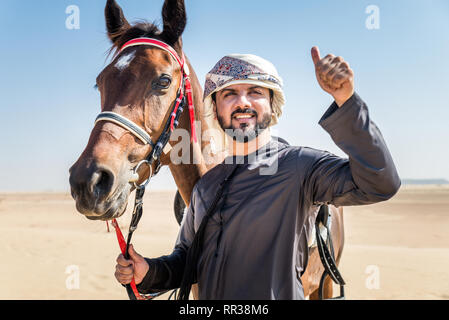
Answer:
[(48, 103)]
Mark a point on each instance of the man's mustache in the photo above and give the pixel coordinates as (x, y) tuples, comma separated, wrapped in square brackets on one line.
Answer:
[(248, 111)]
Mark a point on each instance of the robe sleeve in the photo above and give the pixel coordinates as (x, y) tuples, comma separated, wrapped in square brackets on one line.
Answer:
[(165, 273), (367, 176)]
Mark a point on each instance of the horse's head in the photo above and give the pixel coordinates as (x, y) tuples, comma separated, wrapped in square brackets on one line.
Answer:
[(140, 84)]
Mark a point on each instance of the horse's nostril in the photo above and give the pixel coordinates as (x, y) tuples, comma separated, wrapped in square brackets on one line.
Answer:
[(101, 183), (105, 180)]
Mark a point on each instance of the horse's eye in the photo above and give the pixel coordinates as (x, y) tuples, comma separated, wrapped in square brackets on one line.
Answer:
[(162, 83)]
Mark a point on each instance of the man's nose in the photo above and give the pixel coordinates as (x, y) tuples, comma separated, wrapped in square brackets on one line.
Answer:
[(243, 101)]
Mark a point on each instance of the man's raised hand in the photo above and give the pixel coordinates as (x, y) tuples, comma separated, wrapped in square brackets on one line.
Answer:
[(334, 76)]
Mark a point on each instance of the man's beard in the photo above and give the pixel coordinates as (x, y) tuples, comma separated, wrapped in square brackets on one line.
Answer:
[(243, 133)]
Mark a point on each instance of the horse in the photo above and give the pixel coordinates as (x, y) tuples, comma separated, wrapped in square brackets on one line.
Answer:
[(141, 84)]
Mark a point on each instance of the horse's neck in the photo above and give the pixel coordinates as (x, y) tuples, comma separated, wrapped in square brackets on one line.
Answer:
[(186, 175), (210, 134)]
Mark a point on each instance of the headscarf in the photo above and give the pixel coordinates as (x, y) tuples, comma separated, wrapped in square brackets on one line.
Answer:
[(245, 69)]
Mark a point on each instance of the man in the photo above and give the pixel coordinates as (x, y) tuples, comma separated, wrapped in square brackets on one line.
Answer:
[(245, 233)]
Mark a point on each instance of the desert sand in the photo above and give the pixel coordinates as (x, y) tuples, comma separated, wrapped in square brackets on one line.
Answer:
[(393, 250)]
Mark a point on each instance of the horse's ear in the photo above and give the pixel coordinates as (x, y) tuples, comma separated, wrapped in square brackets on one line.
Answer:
[(115, 20), (175, 20)]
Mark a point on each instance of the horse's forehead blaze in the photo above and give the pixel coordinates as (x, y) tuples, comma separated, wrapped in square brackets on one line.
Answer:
[(124, 61)]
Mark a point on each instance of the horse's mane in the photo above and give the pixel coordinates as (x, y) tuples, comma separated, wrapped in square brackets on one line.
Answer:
[(138, 30)]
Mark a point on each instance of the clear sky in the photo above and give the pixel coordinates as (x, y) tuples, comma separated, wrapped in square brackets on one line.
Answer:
[(48, 71)]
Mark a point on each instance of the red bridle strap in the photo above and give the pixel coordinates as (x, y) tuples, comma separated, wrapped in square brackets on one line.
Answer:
[(122, 244), (185, 76)]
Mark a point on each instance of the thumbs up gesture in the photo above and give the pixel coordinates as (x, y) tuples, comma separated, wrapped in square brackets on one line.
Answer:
[(334, 76)]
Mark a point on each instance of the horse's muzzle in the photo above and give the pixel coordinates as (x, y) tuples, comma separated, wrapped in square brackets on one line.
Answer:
[(93, 190)]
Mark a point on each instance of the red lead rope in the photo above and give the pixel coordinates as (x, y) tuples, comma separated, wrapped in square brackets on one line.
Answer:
[(122, 244)]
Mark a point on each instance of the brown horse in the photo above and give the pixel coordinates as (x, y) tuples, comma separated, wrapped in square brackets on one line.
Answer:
[(141, 84)]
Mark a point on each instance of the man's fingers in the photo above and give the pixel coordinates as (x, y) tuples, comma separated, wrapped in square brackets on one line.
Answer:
[(123, 262), (124, 270), (135, 268), (332, 72), (334, 75), (343, 77), (324, 64), (124, 275), (123, 279), (315, 55), (329, 70), (344, 65)]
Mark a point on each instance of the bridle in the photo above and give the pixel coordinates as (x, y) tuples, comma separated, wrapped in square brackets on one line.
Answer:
[(183, 97)]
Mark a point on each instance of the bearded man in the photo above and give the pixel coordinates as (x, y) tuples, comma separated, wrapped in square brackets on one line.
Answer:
[(246, 231)]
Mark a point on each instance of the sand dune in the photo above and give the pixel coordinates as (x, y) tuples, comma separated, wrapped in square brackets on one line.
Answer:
[(394, 250)]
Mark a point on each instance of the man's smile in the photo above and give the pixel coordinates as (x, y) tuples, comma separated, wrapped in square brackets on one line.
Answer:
[(244, 119), (244, 116)]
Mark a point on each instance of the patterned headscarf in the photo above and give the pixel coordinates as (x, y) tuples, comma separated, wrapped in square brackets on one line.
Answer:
[(245, 69)]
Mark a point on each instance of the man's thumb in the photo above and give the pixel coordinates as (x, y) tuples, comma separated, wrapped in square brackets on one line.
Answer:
[(132, 253), (315, 55)]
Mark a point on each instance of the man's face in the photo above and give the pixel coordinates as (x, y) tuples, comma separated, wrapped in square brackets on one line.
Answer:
[(243, 110)]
